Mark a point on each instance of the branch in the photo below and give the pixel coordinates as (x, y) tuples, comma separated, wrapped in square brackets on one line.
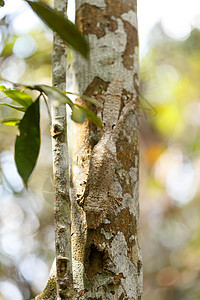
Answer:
[(62, 207)]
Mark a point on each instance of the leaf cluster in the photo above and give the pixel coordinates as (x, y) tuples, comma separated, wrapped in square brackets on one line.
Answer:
[(27, 143)]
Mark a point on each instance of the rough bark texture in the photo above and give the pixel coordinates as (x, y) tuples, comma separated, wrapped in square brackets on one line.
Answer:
[(61, 170), (106, 254)]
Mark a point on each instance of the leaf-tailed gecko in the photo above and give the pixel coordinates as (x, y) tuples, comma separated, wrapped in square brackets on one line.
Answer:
[(99, 196)]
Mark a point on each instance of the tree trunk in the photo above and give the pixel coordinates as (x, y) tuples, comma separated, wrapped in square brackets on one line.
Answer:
[(62, 207), (106, 254), (60, 283)]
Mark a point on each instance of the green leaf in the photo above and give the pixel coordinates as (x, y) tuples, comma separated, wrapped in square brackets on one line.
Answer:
[(20, 108), (58, 23), (89, 99), (53, 94), (2, 88), (27, 144), (10, 122), (78, 114), (2, 3), (90, 115), (22, 98)]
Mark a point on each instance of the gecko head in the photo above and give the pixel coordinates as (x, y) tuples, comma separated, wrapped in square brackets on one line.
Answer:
[(95, 218), (107, 127)]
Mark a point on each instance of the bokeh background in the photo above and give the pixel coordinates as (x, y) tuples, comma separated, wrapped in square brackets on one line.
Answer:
[(169, 33)]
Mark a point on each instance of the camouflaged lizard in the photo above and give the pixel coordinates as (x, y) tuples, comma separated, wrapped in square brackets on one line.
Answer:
[(99, 195)]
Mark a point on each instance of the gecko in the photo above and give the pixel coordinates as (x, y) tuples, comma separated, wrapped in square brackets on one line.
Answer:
[(99, 195)]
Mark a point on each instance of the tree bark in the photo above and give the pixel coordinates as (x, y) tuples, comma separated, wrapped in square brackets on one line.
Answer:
[(62, 207), (60, 283), (106, 256), (107, 261)]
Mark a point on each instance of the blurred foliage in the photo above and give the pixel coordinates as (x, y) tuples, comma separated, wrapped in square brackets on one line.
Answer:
[(26, 217), (170, 160)]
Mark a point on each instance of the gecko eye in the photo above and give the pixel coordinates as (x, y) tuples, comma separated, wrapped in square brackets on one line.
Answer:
[(113, 126)]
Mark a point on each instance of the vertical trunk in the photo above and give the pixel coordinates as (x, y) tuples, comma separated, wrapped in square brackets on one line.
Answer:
[(60, 283), (61, 170), (105, 248)]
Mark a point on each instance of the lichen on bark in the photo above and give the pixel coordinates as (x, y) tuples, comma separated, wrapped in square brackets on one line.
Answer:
[(105, 172), (50, 291), (62, 206), (106, 255)]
